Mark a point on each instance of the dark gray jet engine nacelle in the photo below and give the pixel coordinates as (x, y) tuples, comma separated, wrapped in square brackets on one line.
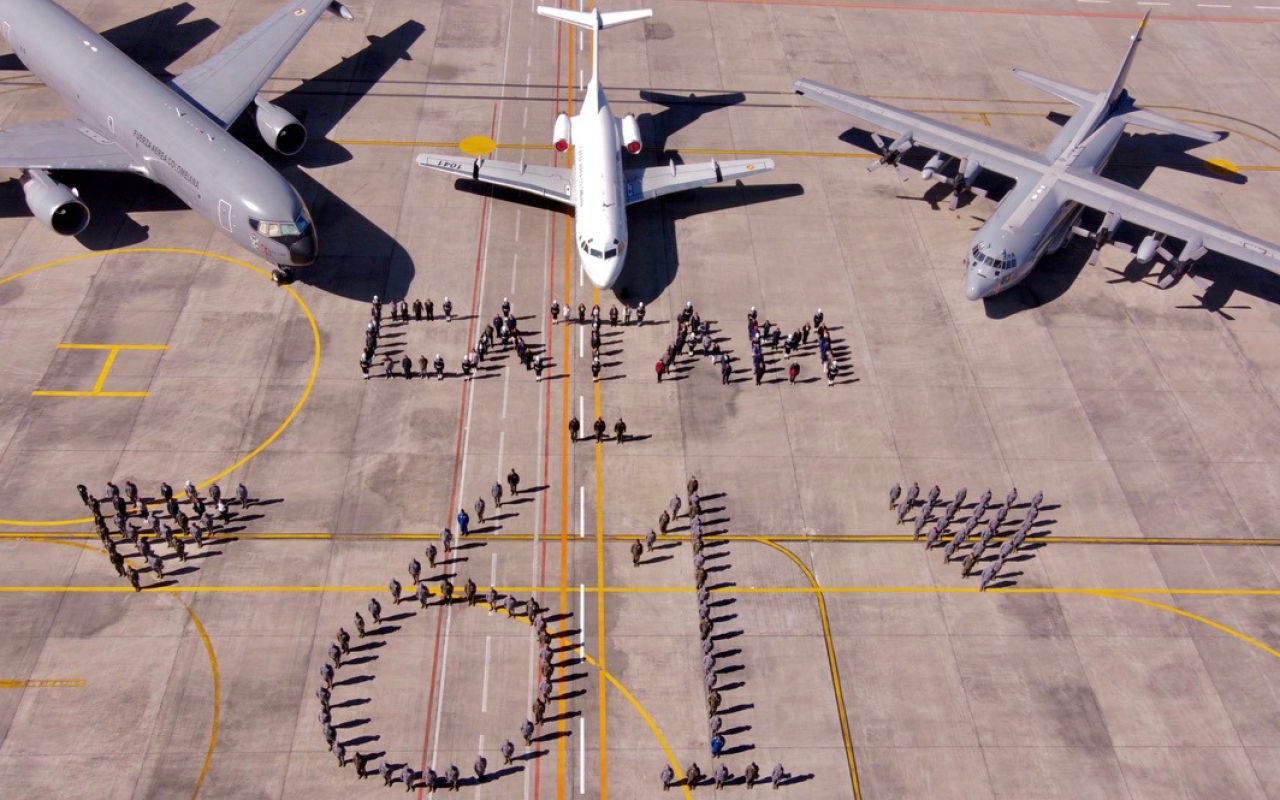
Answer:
[(278, 128), (54, 204)]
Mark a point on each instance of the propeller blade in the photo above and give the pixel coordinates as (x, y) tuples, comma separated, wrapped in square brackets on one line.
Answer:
[(903, 172), (954, 202), (879, 140), (1078, 231), (1093, 257), (875, 165), (1166, 280), (1163, 253)]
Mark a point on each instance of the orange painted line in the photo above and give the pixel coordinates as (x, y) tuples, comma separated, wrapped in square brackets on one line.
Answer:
[(1036, 12)]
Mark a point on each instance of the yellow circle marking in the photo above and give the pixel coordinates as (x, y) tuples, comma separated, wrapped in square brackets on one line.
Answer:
[(1221, 165), (477, 145), (306, 392)]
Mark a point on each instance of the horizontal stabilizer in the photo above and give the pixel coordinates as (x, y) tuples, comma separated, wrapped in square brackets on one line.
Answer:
[(595, 20), (1159, 122), (1066, 91)]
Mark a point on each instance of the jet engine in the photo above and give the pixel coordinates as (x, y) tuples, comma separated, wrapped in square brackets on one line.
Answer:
[(631, 134), (560, 138), (279, 129), (54, 204)]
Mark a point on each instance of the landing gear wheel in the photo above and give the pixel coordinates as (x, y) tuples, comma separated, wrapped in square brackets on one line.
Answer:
[(281, 276)]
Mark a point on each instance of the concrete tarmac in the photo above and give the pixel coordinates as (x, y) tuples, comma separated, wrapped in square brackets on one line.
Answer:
[(1129, 649)]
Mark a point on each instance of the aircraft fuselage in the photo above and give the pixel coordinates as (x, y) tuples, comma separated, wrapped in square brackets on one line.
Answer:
[(171, 140), (1033, 219), (600, 225)]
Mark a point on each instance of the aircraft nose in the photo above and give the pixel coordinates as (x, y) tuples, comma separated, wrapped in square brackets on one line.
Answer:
[(976, 287), (303, 251)]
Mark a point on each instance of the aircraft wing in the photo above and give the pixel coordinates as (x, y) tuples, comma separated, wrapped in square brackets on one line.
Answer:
[(1010, 161), (651, 182), (227, 82), (1149, 212), (555, 183), (60, 144)]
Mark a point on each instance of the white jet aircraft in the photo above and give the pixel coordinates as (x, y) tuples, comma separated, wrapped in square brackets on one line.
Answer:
[(598, 187)]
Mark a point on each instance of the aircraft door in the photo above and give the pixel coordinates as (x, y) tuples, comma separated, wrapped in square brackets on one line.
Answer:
[(224, 215)]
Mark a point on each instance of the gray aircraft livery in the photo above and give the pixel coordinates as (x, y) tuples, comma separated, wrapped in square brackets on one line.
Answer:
[(1039, 213), (126, 120)]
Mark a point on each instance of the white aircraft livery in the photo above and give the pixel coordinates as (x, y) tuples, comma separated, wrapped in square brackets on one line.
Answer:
[(598, 187), (1039, 213)]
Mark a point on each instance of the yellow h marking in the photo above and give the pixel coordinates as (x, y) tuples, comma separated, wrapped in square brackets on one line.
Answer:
[(114, 350)]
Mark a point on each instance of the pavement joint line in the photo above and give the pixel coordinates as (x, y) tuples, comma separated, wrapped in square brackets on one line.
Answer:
[(854, 154), (600, 625), (288, 420), (1130, 590), (629, 537), (1035, 12)]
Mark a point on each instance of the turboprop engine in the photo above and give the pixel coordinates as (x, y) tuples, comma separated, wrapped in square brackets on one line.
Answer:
[(279, 129), (631, 134), (54, 204), (1147, 250), (560, 137), (931, 168)]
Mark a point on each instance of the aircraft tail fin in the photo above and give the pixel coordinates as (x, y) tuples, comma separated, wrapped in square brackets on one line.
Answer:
[(595, 20), (1066, 91), (1122, 74), (1146, 118)]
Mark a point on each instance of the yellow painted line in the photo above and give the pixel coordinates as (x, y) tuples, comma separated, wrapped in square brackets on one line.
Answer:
[(629, 537), (1196, 617), (45, 683), (106, 369), (217, 695), (831, 660), (306, 392)]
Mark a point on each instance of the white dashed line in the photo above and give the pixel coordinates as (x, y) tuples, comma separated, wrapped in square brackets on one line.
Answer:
[(1210, 5), (1093, 1), (484, 685)]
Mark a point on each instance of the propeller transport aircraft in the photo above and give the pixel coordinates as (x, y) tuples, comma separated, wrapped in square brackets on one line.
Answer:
[(175, 133), (1038, 215), (598, 187)]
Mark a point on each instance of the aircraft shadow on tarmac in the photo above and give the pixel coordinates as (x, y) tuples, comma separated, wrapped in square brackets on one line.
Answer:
[(154, 41), (383, 267), (1136, 157)]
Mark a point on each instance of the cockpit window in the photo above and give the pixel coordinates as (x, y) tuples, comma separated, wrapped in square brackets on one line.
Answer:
[(277, 230)]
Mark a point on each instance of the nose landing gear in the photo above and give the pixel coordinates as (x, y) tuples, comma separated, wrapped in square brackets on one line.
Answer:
[(283, 275)]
